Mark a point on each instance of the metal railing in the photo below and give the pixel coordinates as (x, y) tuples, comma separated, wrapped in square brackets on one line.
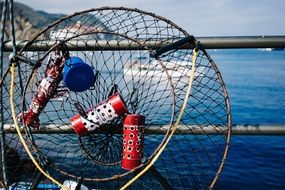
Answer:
[(204, 42), (250, 129), (229, 42)]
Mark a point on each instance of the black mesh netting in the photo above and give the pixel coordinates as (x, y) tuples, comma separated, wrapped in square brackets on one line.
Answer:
[(117, 43)]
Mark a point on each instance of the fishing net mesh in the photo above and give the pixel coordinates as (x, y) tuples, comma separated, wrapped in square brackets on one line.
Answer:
[(122, 40)]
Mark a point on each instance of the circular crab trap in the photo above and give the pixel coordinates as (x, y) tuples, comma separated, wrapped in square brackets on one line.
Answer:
[(101, 99)]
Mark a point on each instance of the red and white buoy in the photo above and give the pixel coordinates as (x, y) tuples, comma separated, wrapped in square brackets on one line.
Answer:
[(103, 113), (46, 90), (133, 132)]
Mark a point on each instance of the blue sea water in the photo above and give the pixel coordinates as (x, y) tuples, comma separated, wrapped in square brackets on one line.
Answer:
[(256, 85)]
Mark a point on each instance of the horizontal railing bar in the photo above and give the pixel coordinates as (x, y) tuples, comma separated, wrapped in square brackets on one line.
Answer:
[(232, 42), (229, 42), (182, 129)]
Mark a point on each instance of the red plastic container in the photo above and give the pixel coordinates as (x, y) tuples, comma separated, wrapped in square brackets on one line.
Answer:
[(103, 113), (133, 132)]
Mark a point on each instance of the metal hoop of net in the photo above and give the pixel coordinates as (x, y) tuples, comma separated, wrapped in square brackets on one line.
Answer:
[(117, 43)]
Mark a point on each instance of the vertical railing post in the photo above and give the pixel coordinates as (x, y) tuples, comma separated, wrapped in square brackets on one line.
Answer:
[(2, 133)]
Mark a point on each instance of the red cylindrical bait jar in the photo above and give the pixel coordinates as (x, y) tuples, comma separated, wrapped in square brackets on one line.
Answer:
[(133, 145), (103, 113)]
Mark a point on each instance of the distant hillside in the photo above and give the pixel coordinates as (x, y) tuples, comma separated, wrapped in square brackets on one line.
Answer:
[(28, 21), (39, 19)]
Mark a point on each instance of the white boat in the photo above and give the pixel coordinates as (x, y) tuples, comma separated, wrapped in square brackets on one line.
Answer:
[(175, 69), (265, 49), (271, 49), (77, 29)]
